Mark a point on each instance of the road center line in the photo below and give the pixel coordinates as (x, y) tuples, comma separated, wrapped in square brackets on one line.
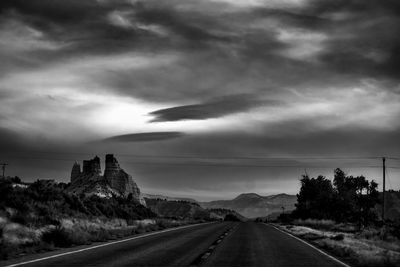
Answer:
[(106, 244), (308, 244)]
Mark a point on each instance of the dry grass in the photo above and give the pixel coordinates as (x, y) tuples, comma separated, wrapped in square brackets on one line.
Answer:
[(365, 248), (17, 239)]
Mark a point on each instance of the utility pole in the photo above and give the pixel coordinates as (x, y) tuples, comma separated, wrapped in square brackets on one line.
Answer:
[(3, 167), (383, 192)]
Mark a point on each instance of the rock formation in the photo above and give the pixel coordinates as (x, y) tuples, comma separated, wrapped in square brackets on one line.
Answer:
[(76, 172), (119, 180), (92, 166), (115, 180)]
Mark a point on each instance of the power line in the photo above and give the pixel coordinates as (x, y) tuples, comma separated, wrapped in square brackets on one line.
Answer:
[(243, 165), (229, 158), (233, 164)]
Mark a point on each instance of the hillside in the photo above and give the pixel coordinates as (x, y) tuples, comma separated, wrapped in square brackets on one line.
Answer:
[(45, 202), (252, 205)]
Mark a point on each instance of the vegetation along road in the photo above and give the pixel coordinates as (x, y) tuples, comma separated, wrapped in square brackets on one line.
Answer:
[(213, 244)]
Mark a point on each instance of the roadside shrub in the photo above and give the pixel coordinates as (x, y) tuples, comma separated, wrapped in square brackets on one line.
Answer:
[(61, 237), (285, 218), (318, 224), (99, 235), (20, 217), (58, 236), (338, 237)]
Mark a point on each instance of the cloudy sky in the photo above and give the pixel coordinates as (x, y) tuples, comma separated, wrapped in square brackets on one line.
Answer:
[(201, 98)]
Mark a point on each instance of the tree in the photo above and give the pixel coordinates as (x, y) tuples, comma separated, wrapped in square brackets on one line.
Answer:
[(350, 199), (315, 198), (356, 197)]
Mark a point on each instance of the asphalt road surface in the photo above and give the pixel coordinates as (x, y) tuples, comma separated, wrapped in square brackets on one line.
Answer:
[(258, 244), (247, 244)]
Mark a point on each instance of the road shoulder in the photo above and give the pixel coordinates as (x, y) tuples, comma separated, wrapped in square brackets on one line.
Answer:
[(78, 249), (311, 245)]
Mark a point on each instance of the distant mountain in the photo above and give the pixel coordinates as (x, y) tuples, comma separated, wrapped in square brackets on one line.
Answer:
[(253, 205), (152, 196)]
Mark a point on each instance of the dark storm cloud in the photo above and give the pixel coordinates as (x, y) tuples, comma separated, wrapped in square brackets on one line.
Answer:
[(144, 137), (298, 18), (86, 23), (189, 27), (214, 108), (68, 12), (362, 43), (365, 36)]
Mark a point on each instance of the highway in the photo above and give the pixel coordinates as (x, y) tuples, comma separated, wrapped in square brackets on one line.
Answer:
[(214, 244), (258, 244)]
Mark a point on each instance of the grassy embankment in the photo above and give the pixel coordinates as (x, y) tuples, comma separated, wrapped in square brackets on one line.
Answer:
[(18, 240), (43, 216), (368, 247)]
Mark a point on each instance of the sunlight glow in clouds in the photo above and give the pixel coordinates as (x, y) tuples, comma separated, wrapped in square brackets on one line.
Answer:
[(61, 97)]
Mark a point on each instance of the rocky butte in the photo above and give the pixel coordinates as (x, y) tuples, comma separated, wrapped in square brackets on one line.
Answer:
[(114, 181)]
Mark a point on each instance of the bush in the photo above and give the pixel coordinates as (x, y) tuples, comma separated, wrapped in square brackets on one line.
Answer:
[(318, 224), (20, 217), (58, 236), (61, 237), (99, 235), (338, 237), (232, 218)]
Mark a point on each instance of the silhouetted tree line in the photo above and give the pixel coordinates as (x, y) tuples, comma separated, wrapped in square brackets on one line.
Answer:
[(221, 210), (43, 203), (177, 201), (348, 199)]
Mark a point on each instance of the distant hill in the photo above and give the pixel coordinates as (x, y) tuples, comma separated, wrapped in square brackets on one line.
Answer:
[(182, 209), (222, 213), (179, 209), (252, 205), (152, 196)]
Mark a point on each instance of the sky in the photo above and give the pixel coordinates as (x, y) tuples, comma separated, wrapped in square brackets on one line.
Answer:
[(201, 98)]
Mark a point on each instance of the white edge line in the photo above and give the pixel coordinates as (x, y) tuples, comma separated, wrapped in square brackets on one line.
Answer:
[(104, 245), (308, 244)]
